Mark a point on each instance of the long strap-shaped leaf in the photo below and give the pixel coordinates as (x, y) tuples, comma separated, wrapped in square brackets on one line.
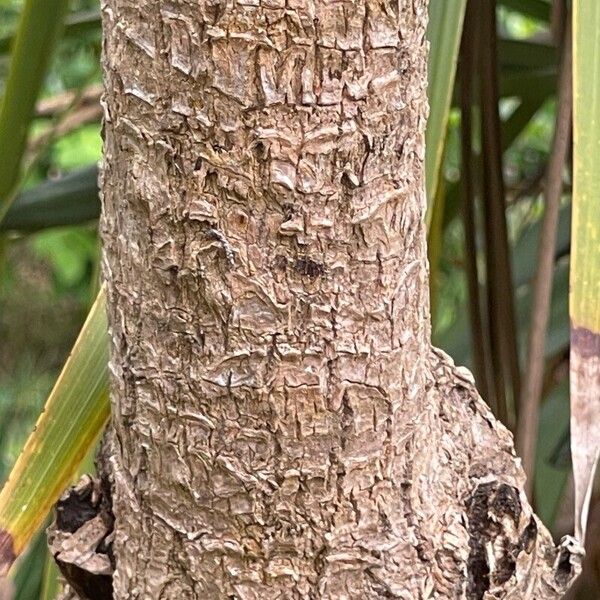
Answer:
[(584, 302), (70, 200), (75, 413), (444, 31), (39, 25)]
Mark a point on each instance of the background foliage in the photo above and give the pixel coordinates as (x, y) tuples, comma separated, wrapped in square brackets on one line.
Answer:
[(486, 181)]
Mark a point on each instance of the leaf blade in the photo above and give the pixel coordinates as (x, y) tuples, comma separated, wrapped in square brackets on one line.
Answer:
[(38, 30), (75, 413), (444, 32), (70, 200)]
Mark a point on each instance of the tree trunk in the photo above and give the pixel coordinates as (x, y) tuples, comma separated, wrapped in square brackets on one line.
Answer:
[(282, 426)]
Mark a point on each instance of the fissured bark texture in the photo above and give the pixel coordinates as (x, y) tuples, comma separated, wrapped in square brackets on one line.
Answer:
[(282, 427)]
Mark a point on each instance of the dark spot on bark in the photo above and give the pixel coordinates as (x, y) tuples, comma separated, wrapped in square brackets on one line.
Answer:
[(528, 537), (198, 164), (92, 587), (488, 505), (7, 551), (211, 183), (308, 267), (215, 10), (280, 262), (477, 567), (74, 509), (347, 181), (420, 548), (260, 150), (507, 502), (585, 342), (564, 568), (347, 419), (288, 211), (506, 566)]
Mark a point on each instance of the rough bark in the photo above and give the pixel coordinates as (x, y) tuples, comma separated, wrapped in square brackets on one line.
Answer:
[(283, 427)]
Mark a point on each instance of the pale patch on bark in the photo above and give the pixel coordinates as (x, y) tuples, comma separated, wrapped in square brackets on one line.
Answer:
[(283, 428)]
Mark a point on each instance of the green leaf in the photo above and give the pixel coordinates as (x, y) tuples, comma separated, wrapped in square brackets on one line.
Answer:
[(537, 9), (522, 115), (51, 579), (76, 24), (28, 574), (70, 200), (585, 274), (517, 83), (523, 265), (38, 30), (70, 251), (526, 54), (75, 413), (550, 479), (456, 341), (444, 31)]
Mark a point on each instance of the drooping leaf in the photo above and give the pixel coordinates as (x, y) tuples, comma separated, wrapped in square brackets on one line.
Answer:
[(523, 265), (514, 84), (516, 123), (70, 423), (584, 300), (70, 200)]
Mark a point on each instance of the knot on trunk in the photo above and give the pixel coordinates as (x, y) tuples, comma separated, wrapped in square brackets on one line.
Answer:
[(503, 535)]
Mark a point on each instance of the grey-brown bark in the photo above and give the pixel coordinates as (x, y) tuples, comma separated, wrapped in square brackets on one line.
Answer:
[(283, 428)]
